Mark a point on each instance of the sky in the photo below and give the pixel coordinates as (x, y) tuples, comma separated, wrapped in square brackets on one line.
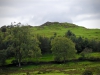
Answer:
[(84, 13)]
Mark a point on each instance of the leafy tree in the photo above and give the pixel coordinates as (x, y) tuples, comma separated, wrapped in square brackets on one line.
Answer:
[(3, 28), (79, 44), (2, 57), (86, 43), (44, 44), (69, 34), (8, 45), (62, 48), (93, 45), (98, 47), (20, 42), (23, 42), (10, 51), (35, 50)]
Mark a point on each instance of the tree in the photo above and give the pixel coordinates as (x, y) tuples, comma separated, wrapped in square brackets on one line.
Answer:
[(44, 44), (93, 45), (79, 44), (69, 34), (34, 51), (3, 28), (62, 48), (2, 57), (98, 47), (23, 42)]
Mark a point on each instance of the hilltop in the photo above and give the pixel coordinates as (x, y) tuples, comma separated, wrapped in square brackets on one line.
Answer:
[(49, 28), (66, 25)]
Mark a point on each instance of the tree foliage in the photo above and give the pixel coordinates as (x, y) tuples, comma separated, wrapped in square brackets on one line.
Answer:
[(2, 57), (24, 43), (3, 28), (62, 48), (69, 34), (83, 43), (44, 44)]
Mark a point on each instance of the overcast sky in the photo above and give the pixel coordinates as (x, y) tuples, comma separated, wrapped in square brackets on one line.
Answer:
[(36, 12)]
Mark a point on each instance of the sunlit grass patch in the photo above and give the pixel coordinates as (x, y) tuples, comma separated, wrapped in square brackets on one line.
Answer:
[(95, 55)]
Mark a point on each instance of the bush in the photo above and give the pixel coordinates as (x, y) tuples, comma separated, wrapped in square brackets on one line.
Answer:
[(57, 59), (87, 72), (27, 73), (14, 62)]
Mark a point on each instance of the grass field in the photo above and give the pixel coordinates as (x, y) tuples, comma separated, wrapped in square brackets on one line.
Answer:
[(69, 68)]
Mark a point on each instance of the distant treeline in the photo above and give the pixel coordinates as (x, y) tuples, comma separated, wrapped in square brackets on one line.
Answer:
[(17, 42)]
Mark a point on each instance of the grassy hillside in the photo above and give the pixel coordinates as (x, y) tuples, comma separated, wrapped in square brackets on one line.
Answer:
[(49, 28)]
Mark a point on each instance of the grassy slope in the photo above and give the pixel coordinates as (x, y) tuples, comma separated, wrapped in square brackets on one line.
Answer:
[(61, 28)]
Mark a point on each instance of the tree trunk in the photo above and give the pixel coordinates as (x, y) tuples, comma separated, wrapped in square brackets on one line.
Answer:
[(19, 62), (64, 59)]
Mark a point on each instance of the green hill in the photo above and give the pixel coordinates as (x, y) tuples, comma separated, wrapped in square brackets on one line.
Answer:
[(49, 28)]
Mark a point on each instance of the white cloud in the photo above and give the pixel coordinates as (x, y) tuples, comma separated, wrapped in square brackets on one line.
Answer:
[(36, 12), (89, 23), (82, 17), (7, 21)]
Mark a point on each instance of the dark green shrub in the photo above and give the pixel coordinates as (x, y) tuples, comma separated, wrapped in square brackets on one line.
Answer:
[(27, 73), (14, 62), (57, 59), (87, 72)]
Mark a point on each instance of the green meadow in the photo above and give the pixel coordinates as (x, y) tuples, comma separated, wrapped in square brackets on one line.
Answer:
[(68, 68)]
